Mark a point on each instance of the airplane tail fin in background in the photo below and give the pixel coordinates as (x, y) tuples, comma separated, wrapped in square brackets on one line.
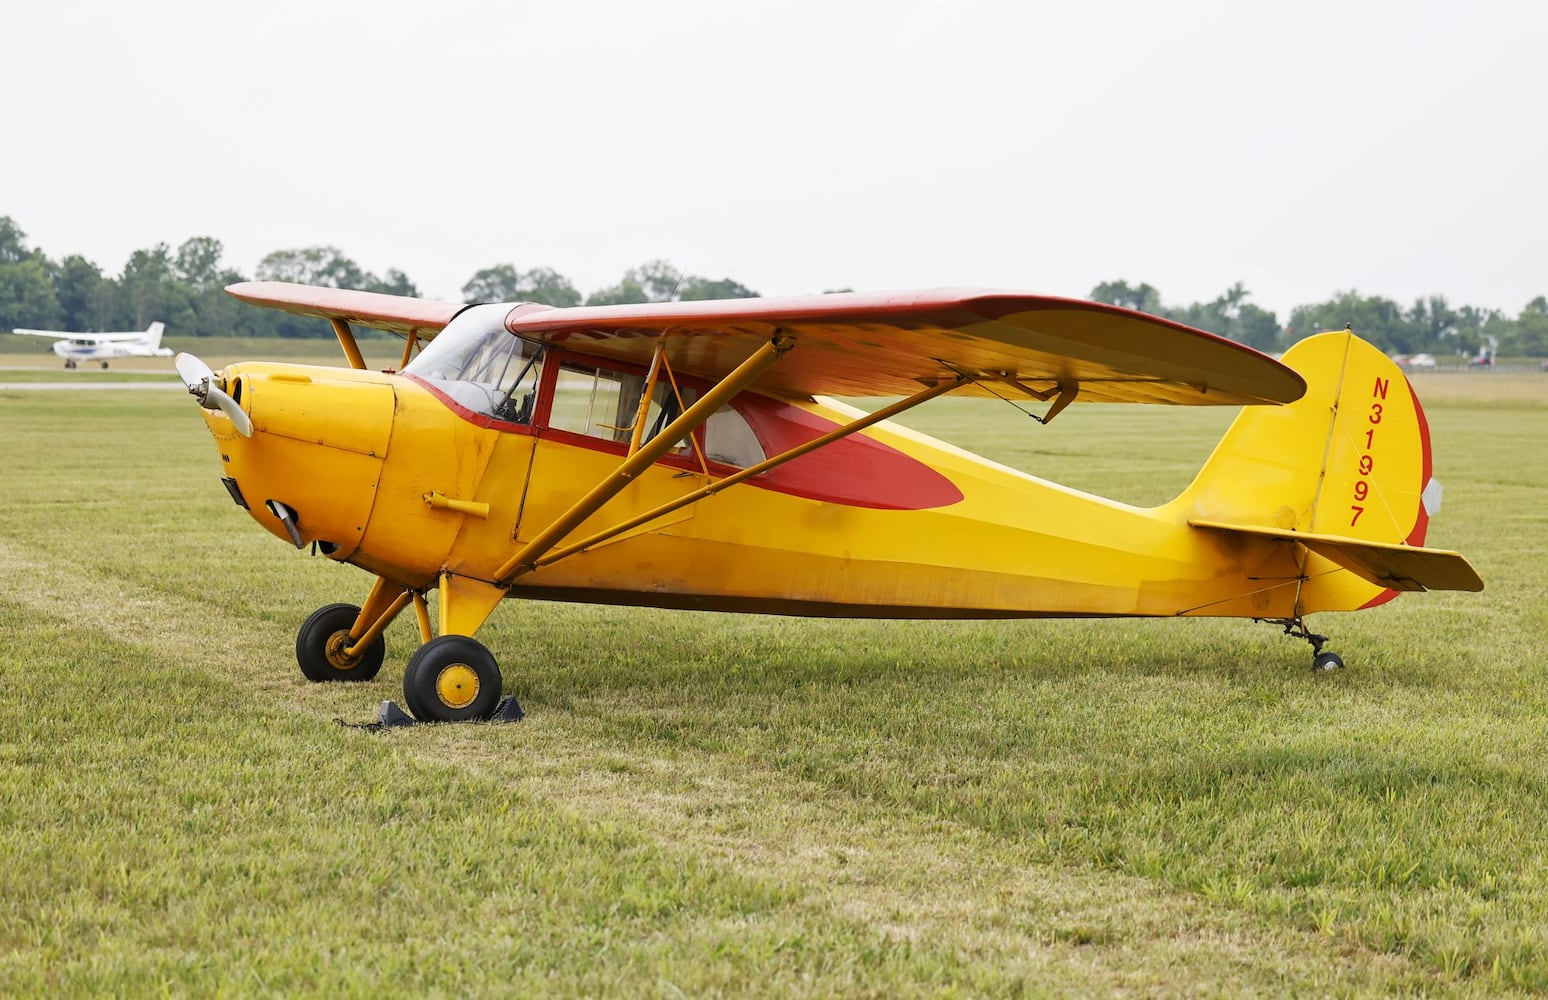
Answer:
[(1344, 472), (153, 334)]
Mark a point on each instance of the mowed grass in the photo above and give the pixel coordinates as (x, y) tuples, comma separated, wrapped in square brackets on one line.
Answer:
[(714, 804)]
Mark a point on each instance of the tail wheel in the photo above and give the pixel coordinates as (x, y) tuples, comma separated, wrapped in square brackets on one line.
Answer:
[(322, 642), (452, 678)]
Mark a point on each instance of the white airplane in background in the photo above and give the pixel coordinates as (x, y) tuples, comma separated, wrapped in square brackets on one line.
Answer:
[(74, 347)]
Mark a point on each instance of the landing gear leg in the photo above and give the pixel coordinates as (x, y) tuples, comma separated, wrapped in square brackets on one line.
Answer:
[(341, 642), (454, 677), (1296, 629)]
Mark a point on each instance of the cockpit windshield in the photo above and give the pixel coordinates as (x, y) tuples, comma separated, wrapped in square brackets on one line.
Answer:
[(483, 366)]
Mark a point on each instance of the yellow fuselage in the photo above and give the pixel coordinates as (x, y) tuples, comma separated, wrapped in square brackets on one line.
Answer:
[(388, 475)]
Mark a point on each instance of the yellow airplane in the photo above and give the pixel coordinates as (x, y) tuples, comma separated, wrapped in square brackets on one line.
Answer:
[(688, 455)]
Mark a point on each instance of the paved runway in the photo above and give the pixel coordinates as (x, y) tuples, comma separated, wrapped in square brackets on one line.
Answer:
[(169, 384)]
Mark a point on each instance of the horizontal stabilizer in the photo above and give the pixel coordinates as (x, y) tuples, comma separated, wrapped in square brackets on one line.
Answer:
[(1397, 566)]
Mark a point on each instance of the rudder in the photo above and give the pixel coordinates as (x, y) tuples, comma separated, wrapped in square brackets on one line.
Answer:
[(1350, 459)]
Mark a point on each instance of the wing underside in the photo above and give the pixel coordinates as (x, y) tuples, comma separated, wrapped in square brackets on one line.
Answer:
[(882, 344), (1009, 344)]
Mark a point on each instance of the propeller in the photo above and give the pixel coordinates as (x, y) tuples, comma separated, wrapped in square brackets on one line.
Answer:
[(196, 375)]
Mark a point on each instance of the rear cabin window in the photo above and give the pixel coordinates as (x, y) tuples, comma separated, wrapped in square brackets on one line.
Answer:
[(730, 439)]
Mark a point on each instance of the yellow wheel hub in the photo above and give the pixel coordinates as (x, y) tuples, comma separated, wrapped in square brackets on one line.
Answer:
[(337, 643), (456, 685)]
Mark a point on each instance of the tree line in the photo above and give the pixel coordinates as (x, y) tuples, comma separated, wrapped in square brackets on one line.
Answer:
[(1429, 325), (184, 288)]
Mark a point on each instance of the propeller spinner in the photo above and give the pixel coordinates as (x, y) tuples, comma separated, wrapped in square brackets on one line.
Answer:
[(196, 375)]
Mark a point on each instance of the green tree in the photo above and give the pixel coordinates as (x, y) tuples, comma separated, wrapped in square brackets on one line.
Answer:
[(13, 242), (27, 295), (504, 283), (198, 263), (545, 285), (26, 284), (1228, 315), (1379, 320), (152, 291), (626, 292), (325, 266), (1432, 325), (493, 284), (395, 283), (652, 281), (659, 281), (1258, 328), (696, 289), (1231, 315), (1141, 298), (87, 300), (198, 268), (1530, 331)]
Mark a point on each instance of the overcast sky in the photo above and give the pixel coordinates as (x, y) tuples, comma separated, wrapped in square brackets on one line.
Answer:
[(1397, 148)]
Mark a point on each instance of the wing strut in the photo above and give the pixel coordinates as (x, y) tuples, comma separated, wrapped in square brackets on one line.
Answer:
[(709, 490), (525, 560), (347, 341), (409, 343)]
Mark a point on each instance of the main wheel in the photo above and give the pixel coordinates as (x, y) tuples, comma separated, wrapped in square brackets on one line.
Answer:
[(321, 645), (104, 366), (452, 678)]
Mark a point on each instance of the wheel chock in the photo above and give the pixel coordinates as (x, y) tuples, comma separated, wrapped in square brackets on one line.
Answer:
[(509, 710), (390, 716)]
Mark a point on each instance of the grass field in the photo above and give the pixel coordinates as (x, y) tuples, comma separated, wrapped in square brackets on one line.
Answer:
[(710, 804)]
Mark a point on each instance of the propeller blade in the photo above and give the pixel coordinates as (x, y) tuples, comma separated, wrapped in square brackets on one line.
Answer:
[(232, 409), (192, 371), (196, 375)]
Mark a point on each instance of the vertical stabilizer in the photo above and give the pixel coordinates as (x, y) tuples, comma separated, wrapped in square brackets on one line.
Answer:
[(153, 335), (1350, 459)]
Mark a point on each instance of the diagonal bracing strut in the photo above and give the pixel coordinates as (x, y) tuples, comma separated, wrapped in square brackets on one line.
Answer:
[(859, 424), (525, 559)]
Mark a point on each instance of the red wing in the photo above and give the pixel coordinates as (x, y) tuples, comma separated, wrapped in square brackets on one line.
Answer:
[(395, 313)]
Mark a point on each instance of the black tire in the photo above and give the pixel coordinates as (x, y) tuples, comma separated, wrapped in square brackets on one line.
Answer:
[(321, 642), (104, 366), (1327, 661), (452, 678)]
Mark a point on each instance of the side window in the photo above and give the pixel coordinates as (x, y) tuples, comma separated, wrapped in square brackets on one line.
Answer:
[(605, 404), (588, 401)]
